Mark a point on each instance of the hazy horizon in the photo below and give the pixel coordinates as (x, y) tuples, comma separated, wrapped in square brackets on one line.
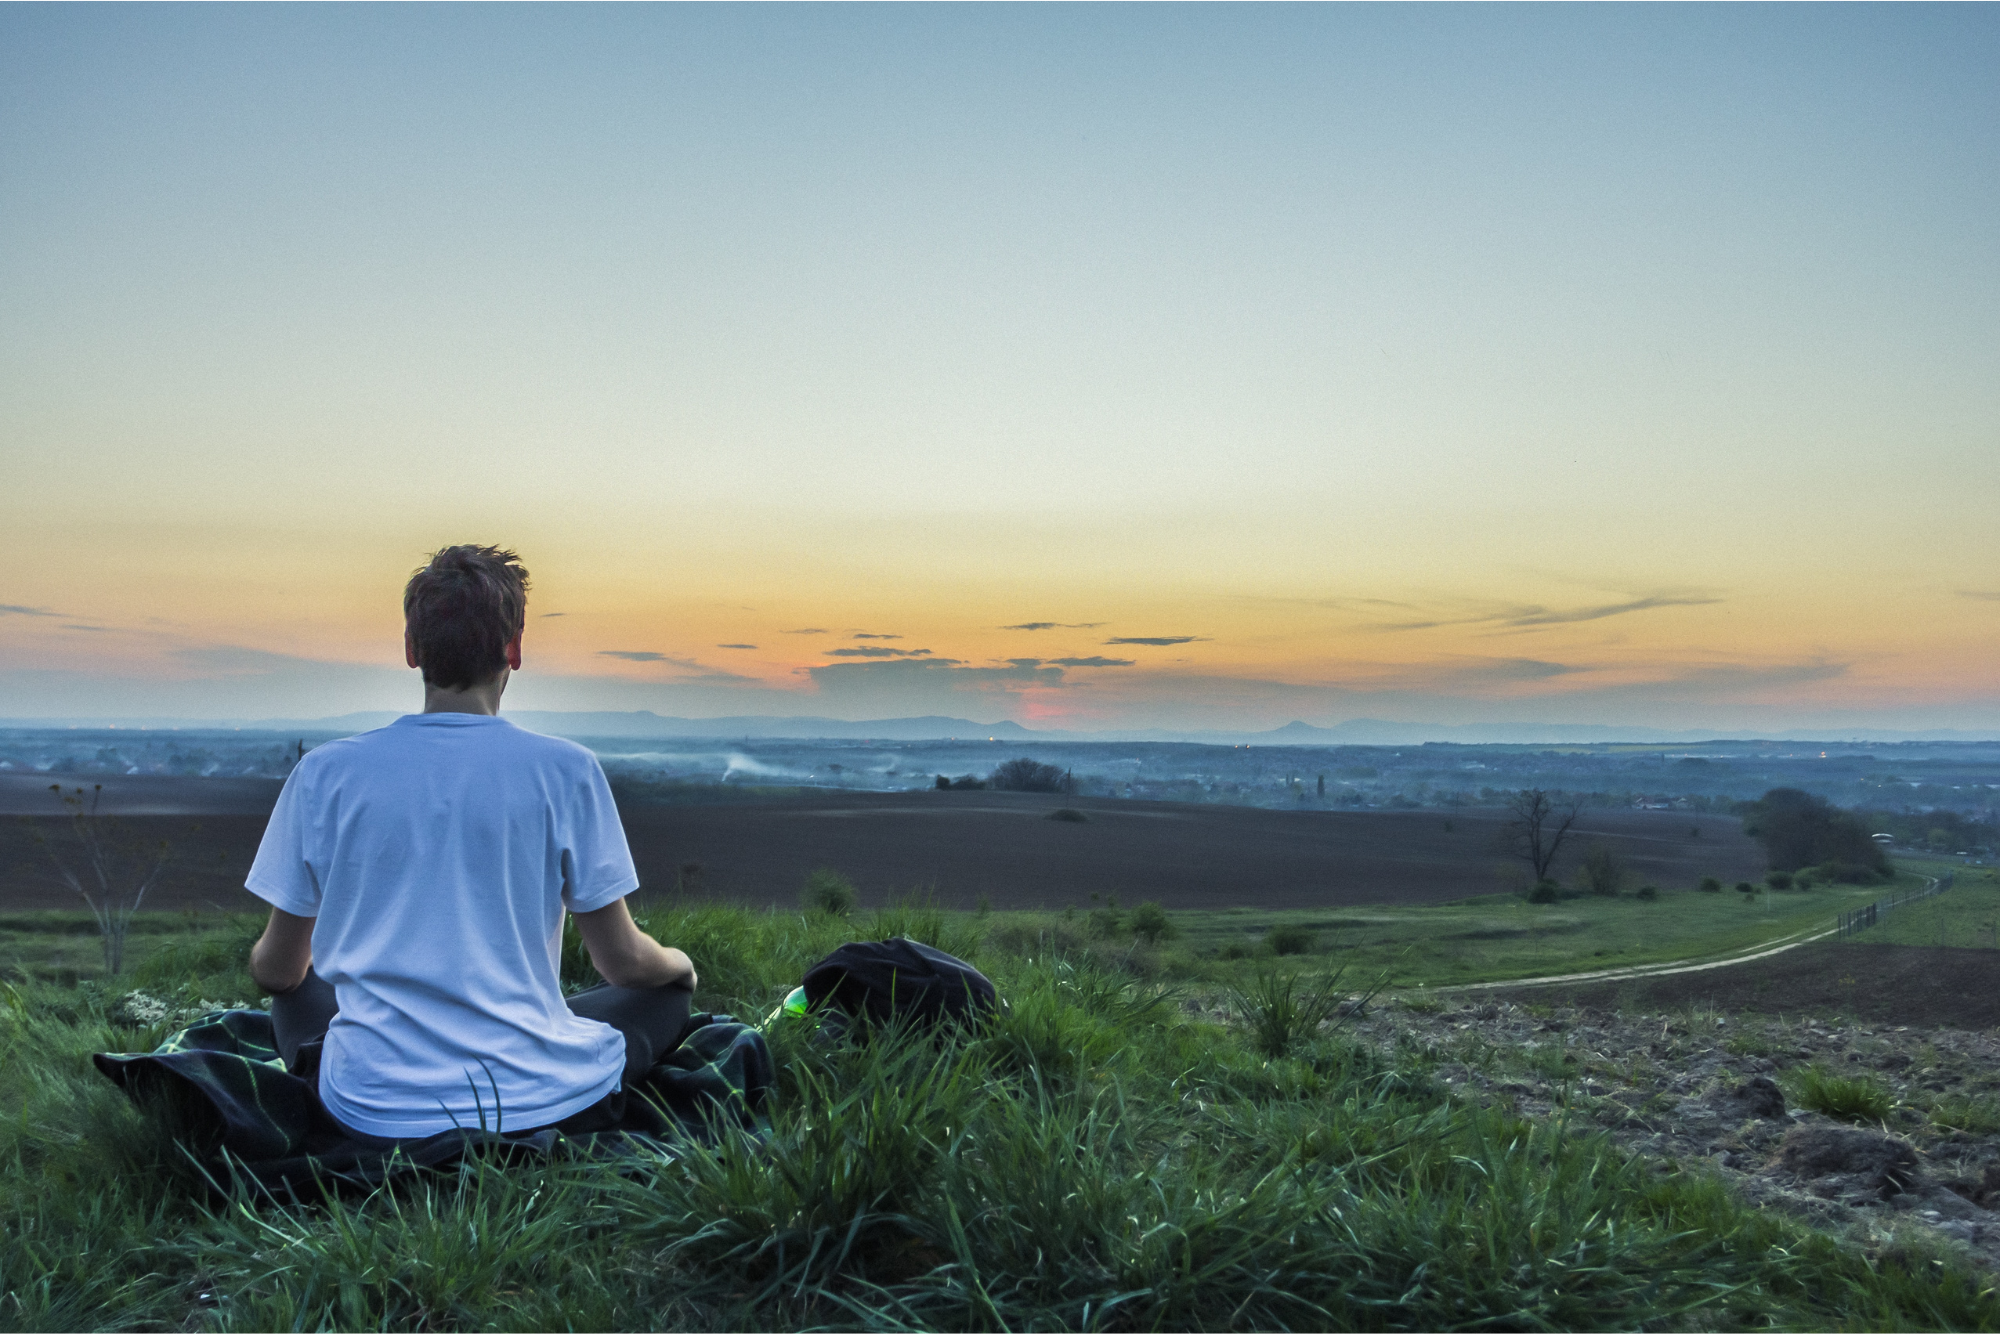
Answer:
[(1098, 369)]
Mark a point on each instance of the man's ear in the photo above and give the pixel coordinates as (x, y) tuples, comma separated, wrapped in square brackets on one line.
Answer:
[(513, 651), (409, 648)]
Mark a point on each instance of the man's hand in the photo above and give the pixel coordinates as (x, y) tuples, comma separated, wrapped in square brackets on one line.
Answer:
[(626, 956), (281, 956)]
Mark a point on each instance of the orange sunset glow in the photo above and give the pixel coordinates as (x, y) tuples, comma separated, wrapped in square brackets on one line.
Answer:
[(1092, 369)]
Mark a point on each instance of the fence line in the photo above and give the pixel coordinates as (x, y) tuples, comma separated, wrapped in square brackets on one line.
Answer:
[(1860, 919)]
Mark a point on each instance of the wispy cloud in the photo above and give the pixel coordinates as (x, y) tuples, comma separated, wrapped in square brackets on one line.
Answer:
[(1976, 594), (1054, 625), (873, 651), (865, 635), (736, 646), (810, 630), (93, 628), (701, 672), (551, 615), (1159, 641), (1531, 616), (1542, 616), (1092, 662), (9, 609)]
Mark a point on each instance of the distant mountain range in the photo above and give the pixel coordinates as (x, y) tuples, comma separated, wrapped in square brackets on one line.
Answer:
[(643, 725)]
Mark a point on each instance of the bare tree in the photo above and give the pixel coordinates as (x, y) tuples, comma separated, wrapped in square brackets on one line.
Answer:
[(108, 870), (1541, 822)]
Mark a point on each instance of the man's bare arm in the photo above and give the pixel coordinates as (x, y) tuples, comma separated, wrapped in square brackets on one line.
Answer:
[(627, 956), (281, 956)]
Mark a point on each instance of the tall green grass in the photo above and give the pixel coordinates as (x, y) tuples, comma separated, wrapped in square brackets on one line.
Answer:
[(1096, 1157), (1843, 1097)]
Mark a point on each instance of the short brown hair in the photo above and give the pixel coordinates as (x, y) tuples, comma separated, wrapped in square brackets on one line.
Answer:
[(462, 609)]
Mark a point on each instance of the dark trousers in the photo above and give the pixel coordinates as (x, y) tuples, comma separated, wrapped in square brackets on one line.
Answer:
[(653, 1019)]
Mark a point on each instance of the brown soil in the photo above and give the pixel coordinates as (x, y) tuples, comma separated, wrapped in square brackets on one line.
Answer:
[(963, 846), (1882, 984), (1003, 847), (210, 856), (140, 794)]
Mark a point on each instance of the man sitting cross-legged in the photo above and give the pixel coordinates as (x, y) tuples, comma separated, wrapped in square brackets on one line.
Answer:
[(418, 875)]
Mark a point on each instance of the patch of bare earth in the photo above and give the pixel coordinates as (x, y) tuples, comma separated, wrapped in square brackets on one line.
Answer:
[(1698, 1087)]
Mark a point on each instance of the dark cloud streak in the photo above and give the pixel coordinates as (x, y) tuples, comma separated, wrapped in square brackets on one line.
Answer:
[(1532, 617), (1540, 616), (1054, 625)]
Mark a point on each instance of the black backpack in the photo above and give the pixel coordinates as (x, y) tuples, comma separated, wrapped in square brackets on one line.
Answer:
[(882, 980)]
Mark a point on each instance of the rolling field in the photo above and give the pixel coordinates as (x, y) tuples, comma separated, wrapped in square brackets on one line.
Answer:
[(1934, 961), (961, 846), (1966, 916), (1872, 981), (1003, 848), (1503, 936)]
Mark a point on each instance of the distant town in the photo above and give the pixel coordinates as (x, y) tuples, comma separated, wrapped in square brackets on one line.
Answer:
[(1938, 796)]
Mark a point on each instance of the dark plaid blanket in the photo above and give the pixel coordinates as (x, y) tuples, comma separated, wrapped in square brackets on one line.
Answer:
[(226, 1096)]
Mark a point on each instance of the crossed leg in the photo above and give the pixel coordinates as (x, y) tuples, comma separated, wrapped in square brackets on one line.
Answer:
[(652, 1019)]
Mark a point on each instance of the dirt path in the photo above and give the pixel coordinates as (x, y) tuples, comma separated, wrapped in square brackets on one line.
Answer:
[(1755, 952)]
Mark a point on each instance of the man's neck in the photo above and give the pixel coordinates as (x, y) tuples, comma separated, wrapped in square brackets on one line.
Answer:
[(482, 697)]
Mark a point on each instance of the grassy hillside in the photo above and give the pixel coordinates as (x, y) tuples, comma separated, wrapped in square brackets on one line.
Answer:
[(1503, 936), (1966, 916), (1105, 1155)]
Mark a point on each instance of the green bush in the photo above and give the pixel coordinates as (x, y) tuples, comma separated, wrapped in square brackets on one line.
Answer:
[(1290, 938), (1282, 1008), (1151, 924), (830, 892), (1779, 880), (1849, 873), (1745, 888), (1844, 1098), (1973, 1115), (1710, 885), (1026, 775), (1648, 893), (1601, 872), (1545, 891)]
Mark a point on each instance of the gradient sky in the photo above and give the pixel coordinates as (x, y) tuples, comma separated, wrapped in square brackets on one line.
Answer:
[(1632, 365)]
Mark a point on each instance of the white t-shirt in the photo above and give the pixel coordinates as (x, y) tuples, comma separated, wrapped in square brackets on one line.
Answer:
[(438, 854)]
